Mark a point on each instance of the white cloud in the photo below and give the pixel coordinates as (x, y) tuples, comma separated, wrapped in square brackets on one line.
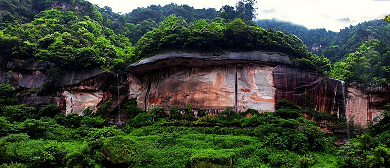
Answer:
[(329, 14)]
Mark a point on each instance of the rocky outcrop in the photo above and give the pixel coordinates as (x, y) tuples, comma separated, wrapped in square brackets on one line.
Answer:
[(77, 90), (309, 88), (84, 90), (32, 79), (365, 105), (254, 80)]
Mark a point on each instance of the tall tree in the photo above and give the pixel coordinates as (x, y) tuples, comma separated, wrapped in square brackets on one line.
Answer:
[(227, 12), (246, 9)]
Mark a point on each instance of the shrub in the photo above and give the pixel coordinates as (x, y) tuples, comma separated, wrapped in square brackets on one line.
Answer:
[(174, 113), (5, 126), (26, 151), (104, 132), (117, 150), (157, 112), (6, 90), (289, 105), (19, 112), (16, 137), (320, 115), (140, 120), (93, 121), (39, 128), (249, 111), (70, 121), (282, 159), (212, 158), (13, 165), (306, 161), (50, 110), (80, 155), (230, 113), (106, 105), (188, 113), (131, 109), (379, 157), (288, 112)]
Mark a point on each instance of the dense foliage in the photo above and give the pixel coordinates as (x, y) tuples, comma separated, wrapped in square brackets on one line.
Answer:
[(45, 138), (370, 149), (348, 40), (141, 20), (218, 37), (315, 39), (77, 34), (358, 53), (370, 64), (175, 34), (66, 40), (157, 139)]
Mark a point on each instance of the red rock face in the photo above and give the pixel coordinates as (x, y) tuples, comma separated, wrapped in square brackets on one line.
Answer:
[(304, 88), (256, 80), (203, 88), (85, 90), (79, 101), (241, 86), (365, 108), (255, 88)]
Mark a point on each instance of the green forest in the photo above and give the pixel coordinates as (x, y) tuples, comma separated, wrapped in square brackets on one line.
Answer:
[(61, 35)]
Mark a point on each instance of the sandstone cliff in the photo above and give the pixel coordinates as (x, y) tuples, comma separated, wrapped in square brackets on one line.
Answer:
[(366, 104), (244, 80), (74, 91)]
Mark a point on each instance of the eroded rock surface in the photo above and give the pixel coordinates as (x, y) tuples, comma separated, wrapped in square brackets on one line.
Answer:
[(366, 106), (304, 88), (32, 79), (79, 101), (254, 80), (255, 87), (78, 90), (83, 90), (201, 87), (245, 80)]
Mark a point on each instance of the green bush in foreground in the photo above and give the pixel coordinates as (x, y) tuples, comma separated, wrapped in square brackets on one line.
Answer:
[(280, 139)]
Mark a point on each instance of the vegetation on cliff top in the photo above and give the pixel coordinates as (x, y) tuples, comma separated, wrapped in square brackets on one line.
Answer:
[(175, 34), (78, 35)]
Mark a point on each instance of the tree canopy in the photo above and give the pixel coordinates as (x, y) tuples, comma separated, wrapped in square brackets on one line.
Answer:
[(386, 18), (76, 34), (65, 39), (176, 34)]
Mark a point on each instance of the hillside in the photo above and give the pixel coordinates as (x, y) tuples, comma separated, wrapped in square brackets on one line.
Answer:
[(317, 40), (359, 53)]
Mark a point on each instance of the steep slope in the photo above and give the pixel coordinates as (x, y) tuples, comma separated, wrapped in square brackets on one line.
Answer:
[(317, 40), (351, 38)]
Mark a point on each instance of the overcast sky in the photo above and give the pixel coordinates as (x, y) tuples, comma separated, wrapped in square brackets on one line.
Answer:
[(330, 14)]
